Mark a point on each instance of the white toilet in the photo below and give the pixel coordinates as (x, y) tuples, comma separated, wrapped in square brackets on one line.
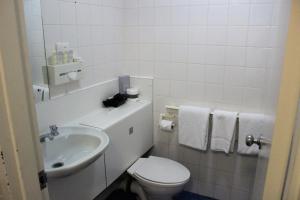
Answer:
[(161, 178)]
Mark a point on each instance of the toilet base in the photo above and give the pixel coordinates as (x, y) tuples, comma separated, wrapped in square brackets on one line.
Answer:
[(160, 197), (160, 192)]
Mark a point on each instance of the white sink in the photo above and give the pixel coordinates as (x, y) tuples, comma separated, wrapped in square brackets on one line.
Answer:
[(73, 149)]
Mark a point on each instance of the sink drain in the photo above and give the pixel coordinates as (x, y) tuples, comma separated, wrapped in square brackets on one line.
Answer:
[(57, 165)]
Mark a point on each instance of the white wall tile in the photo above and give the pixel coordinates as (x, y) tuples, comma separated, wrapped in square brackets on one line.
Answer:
[(147, 52), (196, 54), (232, 95), (197, 35), (67, 13), (198, 15), (84, 36), (196, 73), (163, 16), (217, 15), (214, 55), (83, 14), (147, 34), (216, 35), (235, 56), (237, 36), (180, 15), (257, 57), (179, 53), (179, 35), (255, 77), (217, 2), (69, 34), (162, 70), (199, 2), (146, 3), (147, 18), (162, 2), (178, 89), (130, 17), (235, 76), (259, 36), (214, 74), (146, 68), (239, 14), (196, 91), (163, 34), (162, 87), (261, 14), (52, 36), (178, 71), (50, 11), (252, 98), (163, 52), (214, 93)]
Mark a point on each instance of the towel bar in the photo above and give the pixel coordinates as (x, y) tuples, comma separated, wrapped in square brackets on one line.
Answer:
[(177, 108)]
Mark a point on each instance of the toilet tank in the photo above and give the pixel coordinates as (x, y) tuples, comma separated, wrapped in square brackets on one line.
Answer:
[(130, 138)]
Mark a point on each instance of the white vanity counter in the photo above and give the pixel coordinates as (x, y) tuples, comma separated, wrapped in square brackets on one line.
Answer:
[(107, 117)]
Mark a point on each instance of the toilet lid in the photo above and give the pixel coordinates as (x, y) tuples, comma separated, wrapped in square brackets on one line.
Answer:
[(163, 170)]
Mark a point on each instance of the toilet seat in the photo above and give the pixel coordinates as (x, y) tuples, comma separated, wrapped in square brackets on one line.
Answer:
[(159, 171)]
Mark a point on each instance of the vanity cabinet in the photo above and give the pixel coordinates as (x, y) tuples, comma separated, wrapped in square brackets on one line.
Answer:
[(85, 184), (130, 138)]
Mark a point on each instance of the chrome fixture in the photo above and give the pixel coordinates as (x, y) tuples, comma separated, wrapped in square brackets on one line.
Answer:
[(250, 140), (53, 132)]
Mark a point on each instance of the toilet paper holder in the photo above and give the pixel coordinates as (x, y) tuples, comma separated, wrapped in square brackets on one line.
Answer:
[(166, 123), (168, 116)]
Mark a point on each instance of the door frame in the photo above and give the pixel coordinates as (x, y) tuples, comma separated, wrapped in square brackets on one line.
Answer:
[(292, 182), (19, 139), (286, 110)]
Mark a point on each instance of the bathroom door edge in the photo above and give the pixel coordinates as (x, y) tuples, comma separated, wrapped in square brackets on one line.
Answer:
[(19, 141)]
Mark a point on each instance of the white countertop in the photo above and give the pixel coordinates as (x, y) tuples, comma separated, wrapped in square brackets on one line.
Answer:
[(106, 117)]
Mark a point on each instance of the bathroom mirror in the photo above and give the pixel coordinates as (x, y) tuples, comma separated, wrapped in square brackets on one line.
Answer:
[(36, 46), (59, 65)]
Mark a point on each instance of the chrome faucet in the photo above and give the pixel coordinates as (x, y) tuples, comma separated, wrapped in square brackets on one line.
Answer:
[(53, 132)]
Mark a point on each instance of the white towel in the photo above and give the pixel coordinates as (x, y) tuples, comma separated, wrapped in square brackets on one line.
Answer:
[(252, 124), (193, 126), (223, 130)]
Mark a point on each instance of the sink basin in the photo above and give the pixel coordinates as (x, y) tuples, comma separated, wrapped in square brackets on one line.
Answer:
[(73, 149)]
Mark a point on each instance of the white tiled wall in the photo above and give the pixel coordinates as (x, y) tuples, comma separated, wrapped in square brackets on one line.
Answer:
[(225, 54), (93, 28), (220, 53), (33, 20)]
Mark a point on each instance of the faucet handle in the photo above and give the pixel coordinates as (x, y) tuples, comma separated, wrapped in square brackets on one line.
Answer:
[(53, 127)]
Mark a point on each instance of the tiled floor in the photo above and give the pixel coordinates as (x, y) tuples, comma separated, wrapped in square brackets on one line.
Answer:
[(191, 196)]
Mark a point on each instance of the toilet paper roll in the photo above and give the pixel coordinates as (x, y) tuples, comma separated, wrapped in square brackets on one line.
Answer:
[(166, 125)]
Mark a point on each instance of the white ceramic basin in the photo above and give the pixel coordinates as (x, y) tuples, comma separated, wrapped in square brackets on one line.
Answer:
[(73, 149)]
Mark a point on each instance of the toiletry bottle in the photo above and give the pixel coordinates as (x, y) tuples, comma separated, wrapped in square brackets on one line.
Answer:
[(53, 58), (70, 55), (60, 56), (65, 56)]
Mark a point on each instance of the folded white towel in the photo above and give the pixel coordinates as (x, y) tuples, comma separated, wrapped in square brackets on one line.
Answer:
[(252, 124), (223, 130), (193, 126)]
